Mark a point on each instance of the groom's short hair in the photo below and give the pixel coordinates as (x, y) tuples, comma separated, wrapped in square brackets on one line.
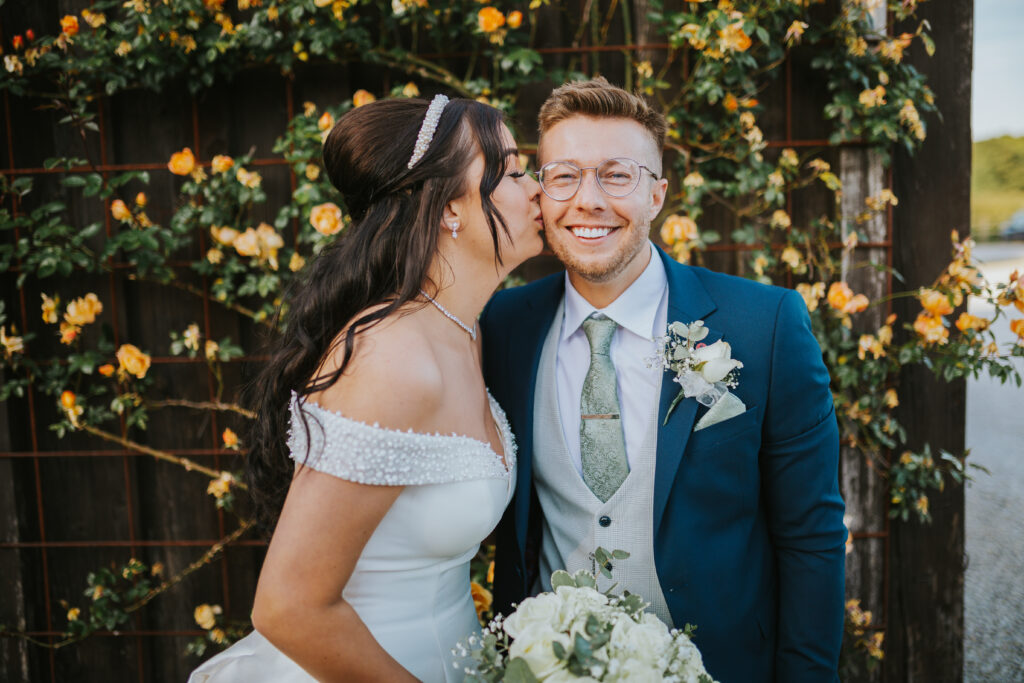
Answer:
[(600, 99)]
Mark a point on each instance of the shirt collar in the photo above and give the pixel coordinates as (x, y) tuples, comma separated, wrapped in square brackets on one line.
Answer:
[(635, 309)]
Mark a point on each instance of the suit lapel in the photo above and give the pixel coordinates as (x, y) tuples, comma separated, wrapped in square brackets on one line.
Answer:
[(532, 331), (687, 301)]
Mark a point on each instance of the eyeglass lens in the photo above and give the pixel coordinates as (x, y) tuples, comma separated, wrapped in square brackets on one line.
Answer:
[(617, 177)]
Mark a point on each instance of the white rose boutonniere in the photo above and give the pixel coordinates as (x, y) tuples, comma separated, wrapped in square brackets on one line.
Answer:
[(703, 371)]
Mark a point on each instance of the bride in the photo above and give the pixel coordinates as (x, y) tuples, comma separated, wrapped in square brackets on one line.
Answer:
[(403, 462)]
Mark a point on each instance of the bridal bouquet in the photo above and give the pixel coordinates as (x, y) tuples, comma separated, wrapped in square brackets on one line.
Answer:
[(576, 633)]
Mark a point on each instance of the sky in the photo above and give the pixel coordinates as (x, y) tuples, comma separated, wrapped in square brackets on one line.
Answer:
[(997, 106)]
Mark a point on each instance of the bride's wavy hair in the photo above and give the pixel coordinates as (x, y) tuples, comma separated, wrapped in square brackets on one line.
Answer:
[(380, 261)]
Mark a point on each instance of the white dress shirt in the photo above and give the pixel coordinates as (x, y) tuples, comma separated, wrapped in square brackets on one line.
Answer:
[(641, 312)]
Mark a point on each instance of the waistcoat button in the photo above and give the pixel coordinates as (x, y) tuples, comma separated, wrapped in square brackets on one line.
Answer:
[(605, 520)]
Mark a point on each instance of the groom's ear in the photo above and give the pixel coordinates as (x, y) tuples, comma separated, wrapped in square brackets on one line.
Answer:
[(659, 188)]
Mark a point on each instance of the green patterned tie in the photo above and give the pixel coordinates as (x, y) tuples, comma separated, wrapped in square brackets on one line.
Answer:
[(602, 446)]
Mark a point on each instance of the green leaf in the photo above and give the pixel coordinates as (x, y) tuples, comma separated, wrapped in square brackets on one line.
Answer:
[(562, 578), (518, 671)]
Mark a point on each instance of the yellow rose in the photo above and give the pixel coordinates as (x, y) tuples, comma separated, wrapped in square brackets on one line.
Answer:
[(218, 636), (935, 303), (811, 294), (119, 210), (296, 263), (247, 243), (781, 219), (68, 332), (411, 90), (132, 360), (223, 235), (83, 310), (191, 337), (931, 329), (214, 255), (221, 486), (206, 615), (677, 229), (842, 298), (312, 171), (693, 179), (210, 349), (182, 163), (872, 97), (490, 19), (230, 439), (123, 48), (222, 163), (73, 614), (482, 598), (791, 257), (734, 38), (326, 121), (250, 179), (49, 309), (326, 218), (361, 97)]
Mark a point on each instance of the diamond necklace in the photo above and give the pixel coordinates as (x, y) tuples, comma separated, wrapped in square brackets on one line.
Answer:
[(451, 316)]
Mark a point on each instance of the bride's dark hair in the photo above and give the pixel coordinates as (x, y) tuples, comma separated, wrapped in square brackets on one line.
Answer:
[(381, 258)]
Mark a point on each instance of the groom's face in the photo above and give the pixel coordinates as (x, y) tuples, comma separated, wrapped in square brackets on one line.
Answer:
[(598, 237)]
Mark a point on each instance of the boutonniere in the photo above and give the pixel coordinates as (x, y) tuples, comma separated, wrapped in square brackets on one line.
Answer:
[(703, 371)]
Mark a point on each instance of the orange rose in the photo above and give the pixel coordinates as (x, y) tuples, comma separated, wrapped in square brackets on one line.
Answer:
[(326, 121), (106, 370), (730, 102), (1017, 327), (839, 295), (734, 38), (935, 303), (132, 360), (69, 25), (326, 218), (515, 19), (67, 399), (119, 210), (490, 19), (230, 438), (141, 200), (359, 98), (931, 329), (966, 321), (182, 163), (222, 163), (482, 598)]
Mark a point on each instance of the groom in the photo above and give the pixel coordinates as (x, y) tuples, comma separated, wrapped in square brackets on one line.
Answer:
[(736, 524)]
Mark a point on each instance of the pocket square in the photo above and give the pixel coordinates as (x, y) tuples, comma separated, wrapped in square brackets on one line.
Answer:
[(725, 408)]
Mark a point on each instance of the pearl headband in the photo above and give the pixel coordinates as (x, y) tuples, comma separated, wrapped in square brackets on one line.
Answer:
[(427, 129)]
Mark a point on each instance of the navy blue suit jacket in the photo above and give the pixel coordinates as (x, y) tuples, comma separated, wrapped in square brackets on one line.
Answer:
[(748, 521)]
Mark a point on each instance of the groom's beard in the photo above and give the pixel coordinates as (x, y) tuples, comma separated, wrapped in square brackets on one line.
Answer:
[(632, 238)]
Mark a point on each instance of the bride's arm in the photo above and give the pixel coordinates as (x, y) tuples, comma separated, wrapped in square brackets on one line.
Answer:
[(323, 527), (326, 521)]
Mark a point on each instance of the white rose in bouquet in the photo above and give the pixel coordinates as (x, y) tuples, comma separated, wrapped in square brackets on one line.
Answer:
[(578, 634)]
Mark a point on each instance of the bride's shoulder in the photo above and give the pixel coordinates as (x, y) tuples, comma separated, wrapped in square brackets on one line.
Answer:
[(392, 379)]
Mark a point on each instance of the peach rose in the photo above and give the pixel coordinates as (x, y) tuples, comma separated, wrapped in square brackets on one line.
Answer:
[(931, 329), (515, 19), (935, 303), (361, 97), (677, 229), (182, 163), (69, 25), (326, 218)]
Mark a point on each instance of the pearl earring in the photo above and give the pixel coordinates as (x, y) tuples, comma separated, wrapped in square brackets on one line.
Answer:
[(455, 227)]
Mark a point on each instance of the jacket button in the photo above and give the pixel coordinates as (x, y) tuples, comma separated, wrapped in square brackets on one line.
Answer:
[(605, 520)]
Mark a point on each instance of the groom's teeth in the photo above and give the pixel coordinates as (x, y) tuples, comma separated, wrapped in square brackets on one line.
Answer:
[(591, 233)]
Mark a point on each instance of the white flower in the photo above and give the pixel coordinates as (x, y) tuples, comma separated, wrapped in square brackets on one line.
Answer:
[(535, 645), (635, 671), (541, 610), (714, 361), (563, 676), (647, 642)]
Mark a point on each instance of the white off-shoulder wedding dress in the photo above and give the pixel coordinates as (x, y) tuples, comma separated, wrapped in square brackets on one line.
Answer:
[(410, 585)]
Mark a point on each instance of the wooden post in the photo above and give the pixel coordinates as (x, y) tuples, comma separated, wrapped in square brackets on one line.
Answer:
[(925, 637), (863, 488)]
